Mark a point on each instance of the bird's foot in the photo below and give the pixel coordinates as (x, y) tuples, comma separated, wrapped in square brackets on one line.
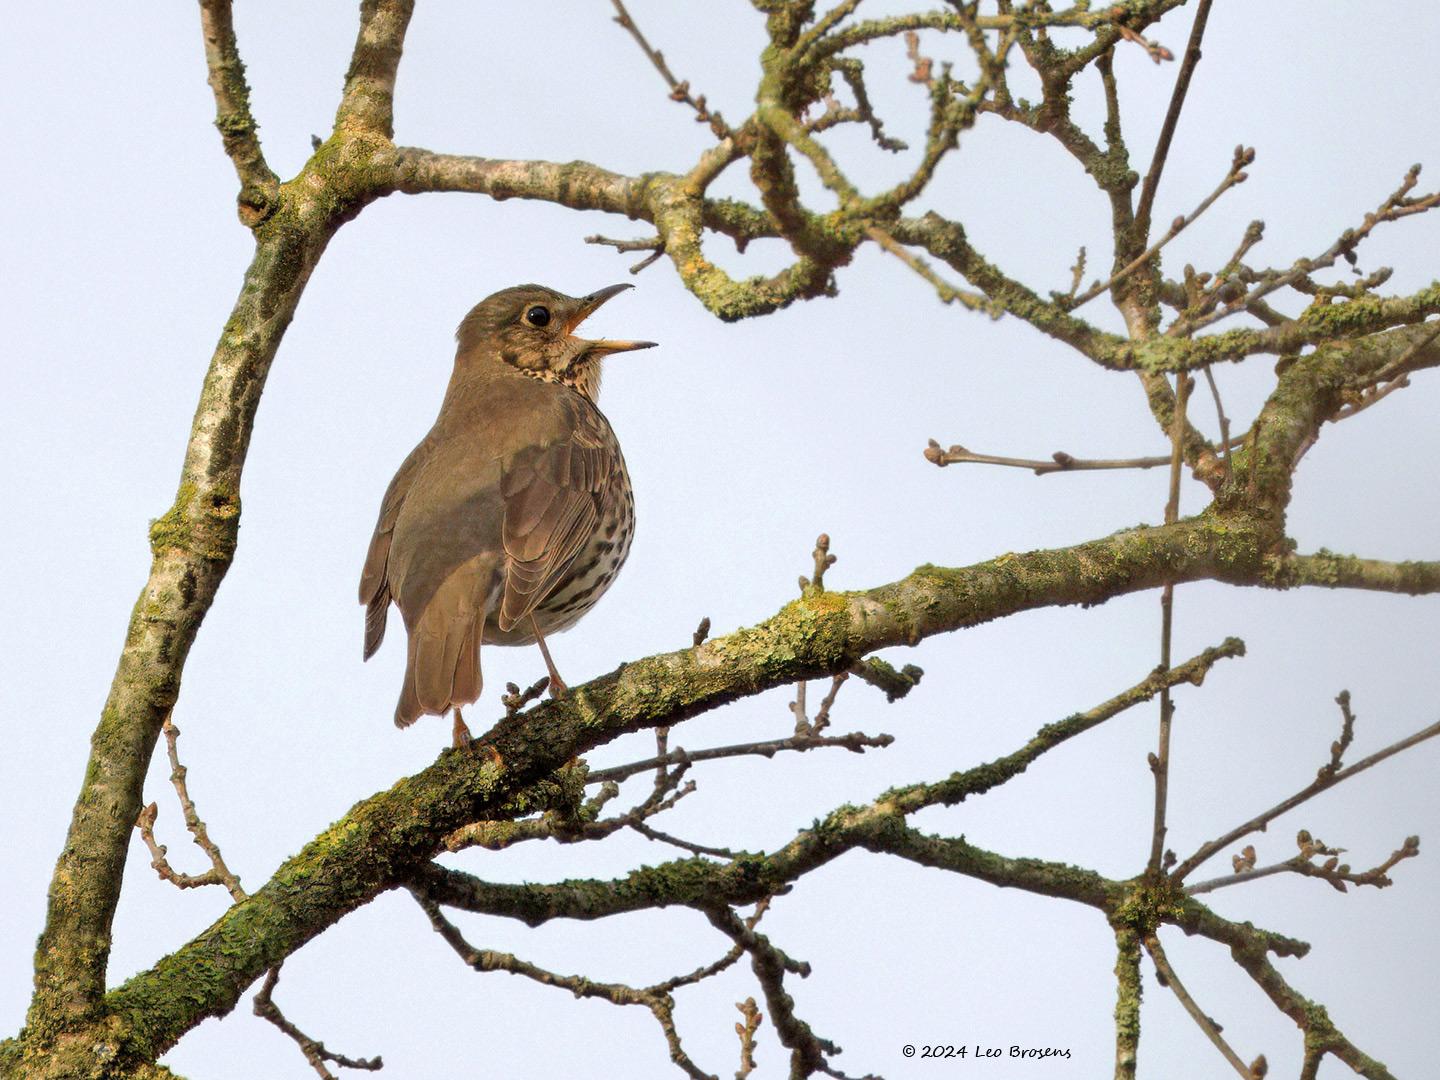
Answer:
[(557, 684), (460, 735)]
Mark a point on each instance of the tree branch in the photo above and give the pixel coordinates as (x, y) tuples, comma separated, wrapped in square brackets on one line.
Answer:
[(1327, 778), (1172, 118), (237, 127), (1208, 1026), (367, 103)]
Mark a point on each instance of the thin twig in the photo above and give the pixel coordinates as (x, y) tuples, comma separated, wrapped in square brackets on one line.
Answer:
[(1237, 175), (1208, 1026), (1160, 762), (684, 845), (746, 1030), (197, 828), (1324, 780), (220, 874), (1222, 419), (1059, 461), (654, 998), (653, 244), (145, 822), (1172, 117), (679, 89), (1398, 204), (856, 742), (948, 293), (315, 1052), (1338, 874), (808, 1050)]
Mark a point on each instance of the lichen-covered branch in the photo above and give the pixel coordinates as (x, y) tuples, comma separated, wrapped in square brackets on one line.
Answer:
[(1129, 990), (368, 101), (233, 118)]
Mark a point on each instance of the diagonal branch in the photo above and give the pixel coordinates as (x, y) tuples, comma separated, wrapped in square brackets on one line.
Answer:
[(1237, 175), (367, 103), (238, 130), (1208, 1026), (679, 91), (1172, 118), (1327, 778), (315, 1051)]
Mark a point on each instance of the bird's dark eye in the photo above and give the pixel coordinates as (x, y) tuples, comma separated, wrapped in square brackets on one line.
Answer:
[(538, 316)]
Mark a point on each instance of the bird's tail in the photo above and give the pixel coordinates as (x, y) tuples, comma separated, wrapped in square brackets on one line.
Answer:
[(442, 664)]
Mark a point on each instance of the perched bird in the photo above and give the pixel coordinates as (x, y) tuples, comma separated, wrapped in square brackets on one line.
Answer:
[(514, 514)]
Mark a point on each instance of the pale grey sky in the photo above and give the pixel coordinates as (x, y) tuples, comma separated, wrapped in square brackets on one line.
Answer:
[(122, 257)]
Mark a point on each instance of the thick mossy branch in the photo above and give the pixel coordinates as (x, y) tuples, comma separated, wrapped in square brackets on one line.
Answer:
[(192, 545), (384, 839)]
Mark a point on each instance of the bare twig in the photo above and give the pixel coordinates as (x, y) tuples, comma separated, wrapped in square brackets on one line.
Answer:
[(855, 742), (1157, 52), (1060, 461), (864, 112), (948, 293), (220, 874), (654, 998), (1160, 761), (1338, 874), (1326, 778), (809, 1052), (315, 1052), (1221, 418), (178, 774), (1077, 274), (1398, 204), (1172, 117), (160, 863), (746, 1030), (1208, 1026), (1237, 175), (679, 89), (653, 244)]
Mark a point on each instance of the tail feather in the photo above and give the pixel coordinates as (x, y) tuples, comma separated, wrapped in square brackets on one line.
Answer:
[(467, 667), (442, 668), (376, 613)]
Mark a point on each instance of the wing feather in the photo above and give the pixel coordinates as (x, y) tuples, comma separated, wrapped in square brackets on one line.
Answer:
[(553, 500)]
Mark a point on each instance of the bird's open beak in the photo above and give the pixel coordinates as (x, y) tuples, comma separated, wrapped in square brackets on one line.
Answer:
[(597, 347)]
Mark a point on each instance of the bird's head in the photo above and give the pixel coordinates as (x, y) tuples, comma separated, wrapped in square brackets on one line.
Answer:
[(532, 328)]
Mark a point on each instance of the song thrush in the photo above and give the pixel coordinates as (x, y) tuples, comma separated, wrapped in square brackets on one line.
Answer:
[(514, 514)]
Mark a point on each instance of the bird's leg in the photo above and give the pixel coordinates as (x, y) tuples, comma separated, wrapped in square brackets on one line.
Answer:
[(460, 732), (557, 684)]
